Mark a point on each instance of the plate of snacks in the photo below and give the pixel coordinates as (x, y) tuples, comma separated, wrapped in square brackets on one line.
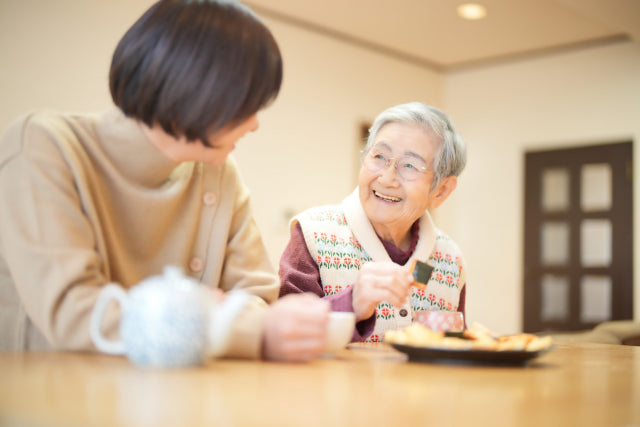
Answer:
[(474, 345)]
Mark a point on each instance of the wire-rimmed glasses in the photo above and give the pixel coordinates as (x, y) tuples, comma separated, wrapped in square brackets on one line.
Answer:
[(409, 168)]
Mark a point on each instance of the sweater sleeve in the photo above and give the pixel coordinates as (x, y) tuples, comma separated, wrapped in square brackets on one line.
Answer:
[(462, 304), (53, 262), (299, 273), (246, 261)]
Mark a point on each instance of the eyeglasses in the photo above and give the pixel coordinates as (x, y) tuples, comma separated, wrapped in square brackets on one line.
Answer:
[(409, 168)]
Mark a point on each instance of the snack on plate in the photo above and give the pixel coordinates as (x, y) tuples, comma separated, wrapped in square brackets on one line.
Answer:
[(539, 343), (477, 337), (518, 342), (421, 273), (481, 337), (415, 335), (478, 331)]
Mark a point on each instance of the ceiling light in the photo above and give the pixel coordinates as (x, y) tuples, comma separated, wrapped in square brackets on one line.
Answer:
[(472, 11)]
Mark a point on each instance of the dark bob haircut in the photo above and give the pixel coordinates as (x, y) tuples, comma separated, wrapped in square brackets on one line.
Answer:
[(195, 66)]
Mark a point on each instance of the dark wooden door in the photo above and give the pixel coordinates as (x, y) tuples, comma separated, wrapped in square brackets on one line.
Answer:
[(578, 237)]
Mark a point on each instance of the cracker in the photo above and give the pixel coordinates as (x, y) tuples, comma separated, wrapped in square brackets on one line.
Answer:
[(421, 272)]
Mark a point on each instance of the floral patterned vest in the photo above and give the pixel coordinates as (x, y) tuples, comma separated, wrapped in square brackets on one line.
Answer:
[(340, 239)]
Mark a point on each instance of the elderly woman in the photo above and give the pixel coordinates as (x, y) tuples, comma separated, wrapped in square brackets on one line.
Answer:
[(89, 199), (355, 254)]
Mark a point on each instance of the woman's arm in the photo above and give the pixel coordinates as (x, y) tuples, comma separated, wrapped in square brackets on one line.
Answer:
[(47, 241), (246, 263), (299, 274)]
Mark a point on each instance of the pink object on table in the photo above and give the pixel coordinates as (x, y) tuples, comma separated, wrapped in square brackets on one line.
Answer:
[(440, 321)]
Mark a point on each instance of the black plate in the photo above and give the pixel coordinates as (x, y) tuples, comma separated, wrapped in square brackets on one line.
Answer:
[(430, 354)]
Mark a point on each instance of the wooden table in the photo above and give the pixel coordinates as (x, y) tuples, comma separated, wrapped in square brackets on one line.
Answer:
[(573, 385)]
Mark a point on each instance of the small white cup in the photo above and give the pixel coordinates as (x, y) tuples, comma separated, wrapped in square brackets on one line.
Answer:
[(339, 331)]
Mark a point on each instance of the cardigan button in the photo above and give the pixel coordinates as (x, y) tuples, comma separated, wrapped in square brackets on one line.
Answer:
[(403, 312), (196, 265), (209, 198)]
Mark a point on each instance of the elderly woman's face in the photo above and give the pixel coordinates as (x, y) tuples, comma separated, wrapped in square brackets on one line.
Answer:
[(391, 202)]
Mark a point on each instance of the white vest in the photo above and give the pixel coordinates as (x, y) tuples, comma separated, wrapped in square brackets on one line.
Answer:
[(340, 239)]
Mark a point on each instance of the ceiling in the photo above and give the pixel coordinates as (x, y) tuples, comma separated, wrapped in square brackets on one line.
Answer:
[(429, 32)]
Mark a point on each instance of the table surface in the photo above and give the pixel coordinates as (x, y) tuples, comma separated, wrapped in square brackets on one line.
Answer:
[(370, 385)]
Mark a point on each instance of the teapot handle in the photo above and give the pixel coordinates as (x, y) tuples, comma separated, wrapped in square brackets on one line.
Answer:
[(222, 318), (109, 292)]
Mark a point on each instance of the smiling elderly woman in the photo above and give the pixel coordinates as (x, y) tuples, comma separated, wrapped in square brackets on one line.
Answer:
[(355, 254)]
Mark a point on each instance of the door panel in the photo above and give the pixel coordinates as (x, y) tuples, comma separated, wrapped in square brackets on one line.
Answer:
[(578, 237)]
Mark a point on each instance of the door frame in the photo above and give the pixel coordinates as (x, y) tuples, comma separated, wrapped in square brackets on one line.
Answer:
[(621, 216)]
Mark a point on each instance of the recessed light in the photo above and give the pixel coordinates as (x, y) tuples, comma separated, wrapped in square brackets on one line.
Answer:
[(472, 11)]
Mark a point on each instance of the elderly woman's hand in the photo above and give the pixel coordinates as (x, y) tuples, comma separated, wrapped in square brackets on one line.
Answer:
[(295, 328), (380, 281)]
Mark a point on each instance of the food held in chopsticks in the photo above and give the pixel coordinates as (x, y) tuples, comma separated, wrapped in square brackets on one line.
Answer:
[(477, 337), (421, 273)]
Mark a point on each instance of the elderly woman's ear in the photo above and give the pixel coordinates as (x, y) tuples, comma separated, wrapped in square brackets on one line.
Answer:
[(443, 190)]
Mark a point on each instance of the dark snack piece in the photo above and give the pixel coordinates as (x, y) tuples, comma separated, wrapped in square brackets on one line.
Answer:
[(421, 273)]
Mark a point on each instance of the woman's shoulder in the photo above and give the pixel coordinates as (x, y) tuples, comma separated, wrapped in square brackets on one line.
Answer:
[(331, 213), (50, 119), (48, 124), (37, 130), (445, 242)]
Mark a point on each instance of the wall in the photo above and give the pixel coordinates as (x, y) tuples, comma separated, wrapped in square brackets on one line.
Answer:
[(580, 98), (56, 54)]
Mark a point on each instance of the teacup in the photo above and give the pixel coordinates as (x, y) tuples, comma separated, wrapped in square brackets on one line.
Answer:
[(167, 321), (440, 321), (339, 331)]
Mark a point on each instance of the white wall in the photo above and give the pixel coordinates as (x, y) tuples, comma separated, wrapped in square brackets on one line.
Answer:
[(580, 98), (57, 54)]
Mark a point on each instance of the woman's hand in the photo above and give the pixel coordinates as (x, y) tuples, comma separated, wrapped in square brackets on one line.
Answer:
[(380, 281), (295, 328)]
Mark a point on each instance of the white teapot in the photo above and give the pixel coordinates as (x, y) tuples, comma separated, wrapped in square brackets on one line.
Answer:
[(168, 321)]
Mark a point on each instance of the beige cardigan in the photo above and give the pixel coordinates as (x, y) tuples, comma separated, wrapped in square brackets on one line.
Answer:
[(86, 200)]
